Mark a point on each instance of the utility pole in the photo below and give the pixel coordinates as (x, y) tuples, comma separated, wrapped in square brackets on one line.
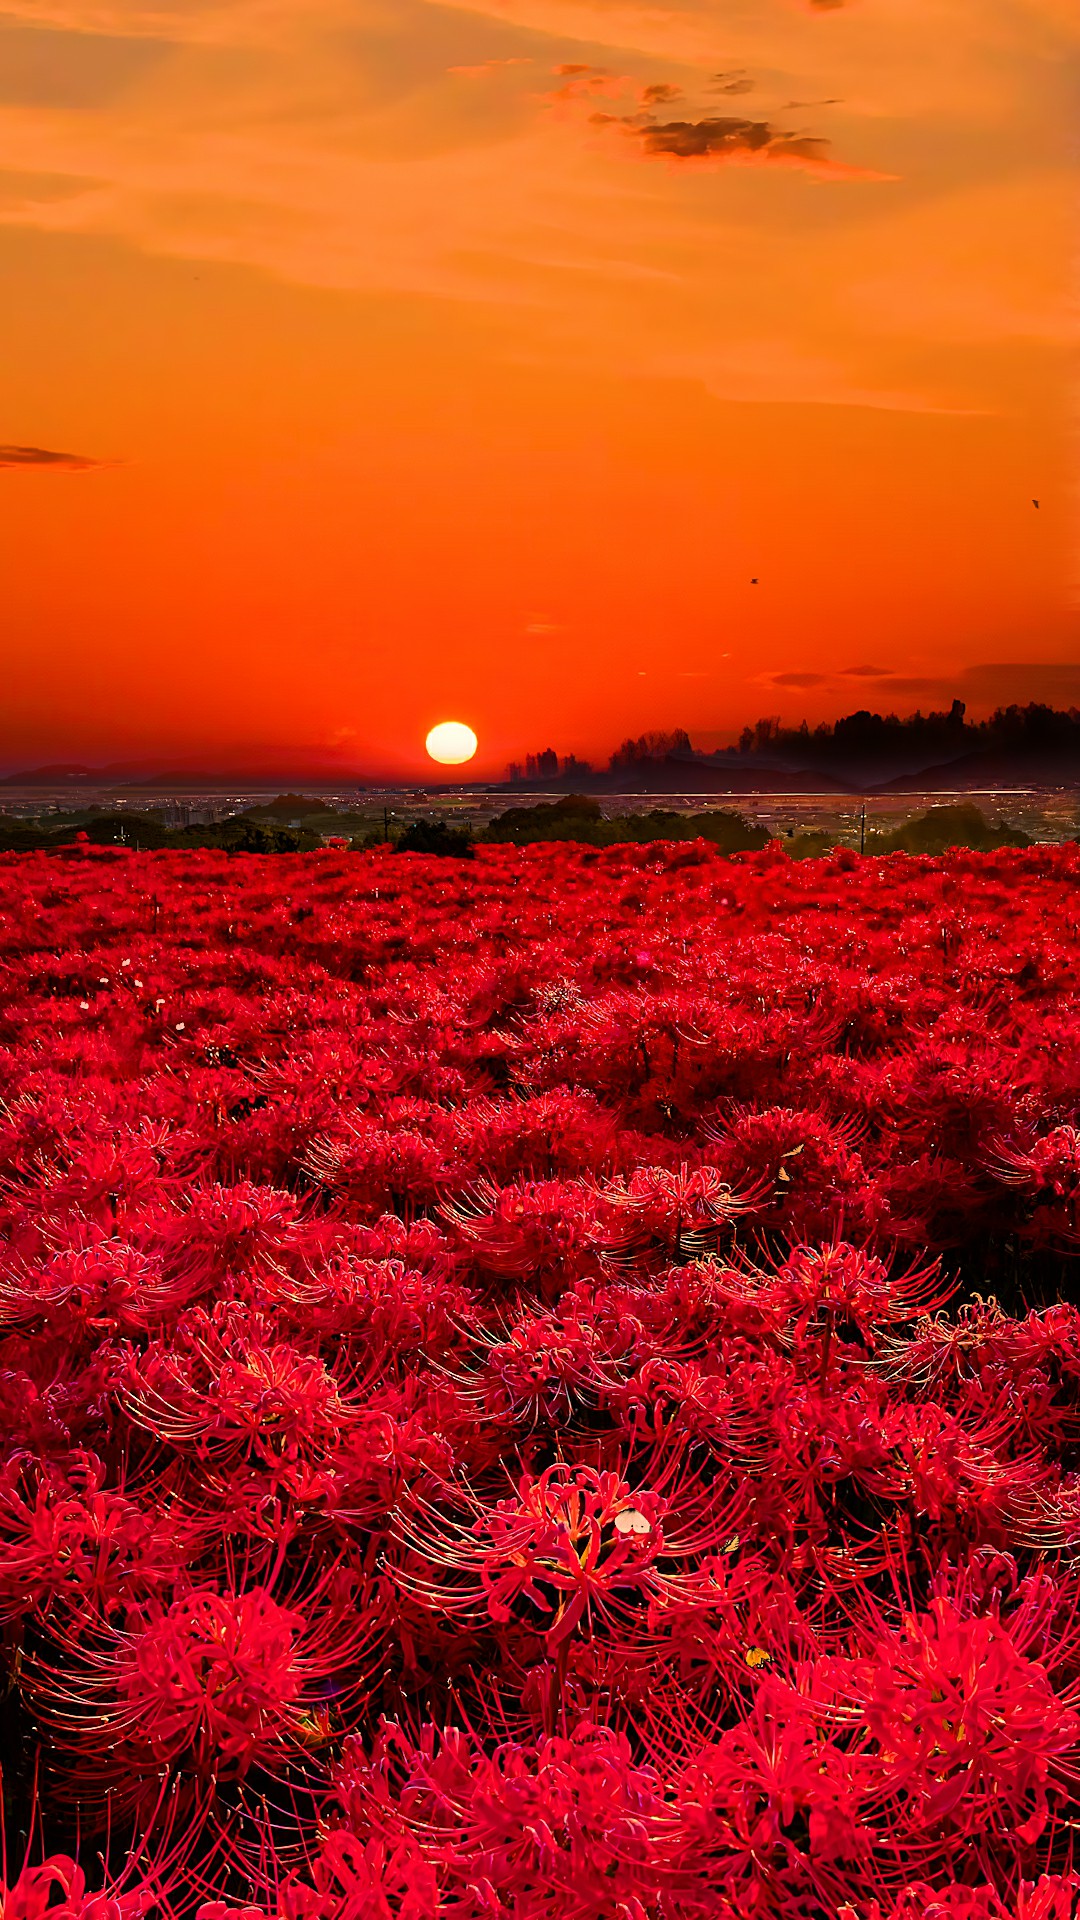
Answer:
[(385, 824), (862, 829)]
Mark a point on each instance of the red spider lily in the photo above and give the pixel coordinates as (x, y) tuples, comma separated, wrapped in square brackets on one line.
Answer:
[(1051, 1897), (575, 1546), (107, 1285), (772, 1803), (380, 1304), (69, 1538), (211, 1683), (537, 1374), (229, 1391), (963, 1705), (933, 1202), (471, 1297), (1051, 1165), (1048, 1172), (803, 1168), (57, 1888), (373, 1167), (560, 1827), (672, 1214), (544, 1231), (549, 1136), (843, 1285), (230, 1229)]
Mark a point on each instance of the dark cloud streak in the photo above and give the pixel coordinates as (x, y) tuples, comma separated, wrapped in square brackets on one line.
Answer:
[(723, 138), (46, 457), (986, 685)]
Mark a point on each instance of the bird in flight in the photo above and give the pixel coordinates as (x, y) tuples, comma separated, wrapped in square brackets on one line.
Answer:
[(753, 583), (1034, 503)]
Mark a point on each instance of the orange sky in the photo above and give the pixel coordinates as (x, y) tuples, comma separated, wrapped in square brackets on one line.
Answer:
[(468, 361)]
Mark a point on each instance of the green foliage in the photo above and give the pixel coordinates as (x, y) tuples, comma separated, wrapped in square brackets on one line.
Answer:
[(18, 836), (576, 817), (810, 844), (727, 830), (240, 835), (943, 827), (287, 806), (101, 828), (123, 829), (436, 836)]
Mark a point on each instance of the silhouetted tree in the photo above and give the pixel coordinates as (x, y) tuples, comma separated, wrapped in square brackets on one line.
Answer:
[(652, 746), (436, 836)]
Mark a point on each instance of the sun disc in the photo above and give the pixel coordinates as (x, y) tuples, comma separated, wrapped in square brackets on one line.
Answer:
[(451, 743)]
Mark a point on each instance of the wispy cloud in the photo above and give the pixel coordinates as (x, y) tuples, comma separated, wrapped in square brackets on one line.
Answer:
[(737, 82), (996, 683), (984, 686), (488, 69), (702, 137), (42, 66), (406, 146), (46, 457)]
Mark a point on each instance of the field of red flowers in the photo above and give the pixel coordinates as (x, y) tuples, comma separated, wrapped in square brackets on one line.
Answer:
[(543, 1388)]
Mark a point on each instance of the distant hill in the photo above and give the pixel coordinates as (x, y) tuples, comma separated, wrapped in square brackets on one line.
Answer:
[(970, 772), (72, 774), (58, 776)]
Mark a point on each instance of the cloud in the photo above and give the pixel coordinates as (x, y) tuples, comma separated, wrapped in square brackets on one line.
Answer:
[(719, 139), (488, 68), (584, 82), (660, 94), (23, 191), (983, 687), (386, 170), (46, 457), (725, 138), (42, 67), (995, 683), (738, 82)]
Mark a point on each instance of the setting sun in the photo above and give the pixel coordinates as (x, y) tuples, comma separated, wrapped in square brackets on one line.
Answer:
[(451, 743)]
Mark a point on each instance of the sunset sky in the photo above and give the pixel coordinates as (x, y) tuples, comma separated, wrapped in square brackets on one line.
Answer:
[(368, 363)]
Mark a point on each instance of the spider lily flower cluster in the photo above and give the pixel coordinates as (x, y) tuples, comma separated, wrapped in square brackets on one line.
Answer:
[(543, 1389)]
